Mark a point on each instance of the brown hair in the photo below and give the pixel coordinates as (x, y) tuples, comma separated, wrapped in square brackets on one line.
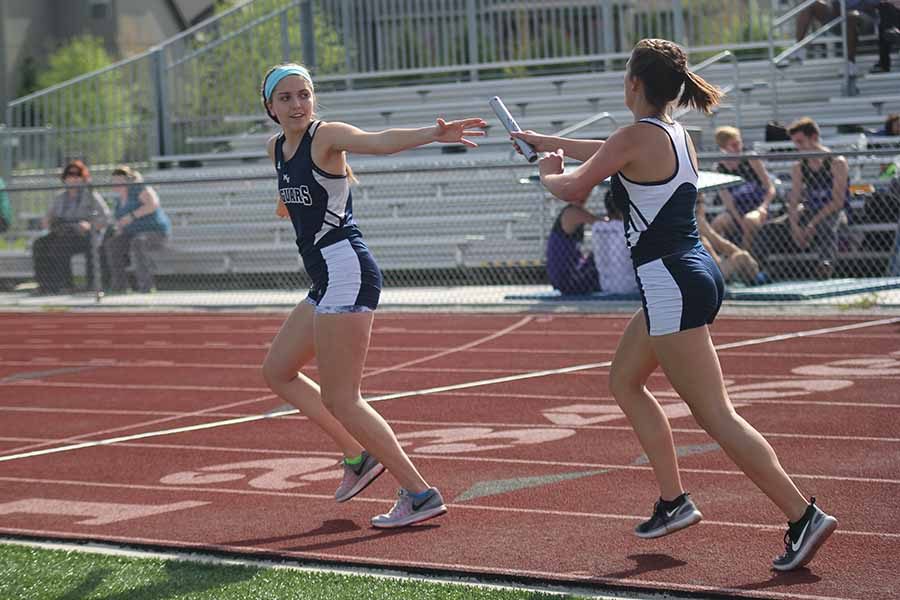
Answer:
[(262, 88), (890, 121), (661, 66), (726, 133), (78, 169), (265, 101), (804, 125), (132, 175)]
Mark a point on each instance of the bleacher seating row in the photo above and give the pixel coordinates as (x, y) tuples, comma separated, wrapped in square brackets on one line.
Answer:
[(453, 218)]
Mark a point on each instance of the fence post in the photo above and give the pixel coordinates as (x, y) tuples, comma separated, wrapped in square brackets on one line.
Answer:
[(6, 141), (347, 25), (606, 14), (285, 39), (773, 68), (472, 20), (678, 23), (163, 127), (308, 34)]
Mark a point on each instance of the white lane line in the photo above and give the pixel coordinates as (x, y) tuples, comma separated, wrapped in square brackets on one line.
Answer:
[(548, 425), (461, 348), (135, 386), (494, 460), (434, 390), (388, 501), (22, 453)]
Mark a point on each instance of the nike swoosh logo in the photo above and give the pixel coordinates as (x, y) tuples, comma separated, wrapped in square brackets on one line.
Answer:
[(796, 545), (416, 506), (671, 514)]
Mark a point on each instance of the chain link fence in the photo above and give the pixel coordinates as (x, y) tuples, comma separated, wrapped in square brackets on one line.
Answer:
[(454, 228)]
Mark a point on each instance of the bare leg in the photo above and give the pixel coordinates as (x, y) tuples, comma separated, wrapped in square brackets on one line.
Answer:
[(292, 348), (342, 341), (692, 366), (753, 220), (633, 363), (820, 11), (724, 224)]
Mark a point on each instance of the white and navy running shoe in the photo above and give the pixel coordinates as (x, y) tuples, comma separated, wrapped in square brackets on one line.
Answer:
[(669, 517), (408, 510), (358, 477), (803, 538)]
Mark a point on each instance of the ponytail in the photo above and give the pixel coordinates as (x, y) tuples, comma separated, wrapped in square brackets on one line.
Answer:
[(661, 66), (699, 93)]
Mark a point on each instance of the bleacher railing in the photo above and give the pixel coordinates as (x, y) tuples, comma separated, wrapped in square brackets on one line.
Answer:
[(178, 97), (463, 230)]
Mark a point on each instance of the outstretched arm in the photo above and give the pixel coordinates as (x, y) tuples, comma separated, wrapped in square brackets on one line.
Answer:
[(580, 150), (339, 137)]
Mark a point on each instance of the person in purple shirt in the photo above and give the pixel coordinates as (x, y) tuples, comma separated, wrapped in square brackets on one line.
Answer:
[(570, 270)]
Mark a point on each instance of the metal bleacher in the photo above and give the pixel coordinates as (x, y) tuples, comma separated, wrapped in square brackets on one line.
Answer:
[(466, 217)]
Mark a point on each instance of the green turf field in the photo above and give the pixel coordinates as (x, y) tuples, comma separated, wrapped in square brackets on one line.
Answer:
[(41, 574)]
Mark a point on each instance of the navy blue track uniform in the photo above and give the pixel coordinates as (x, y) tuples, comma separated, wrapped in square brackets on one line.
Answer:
[(344, 275), (681, 285)]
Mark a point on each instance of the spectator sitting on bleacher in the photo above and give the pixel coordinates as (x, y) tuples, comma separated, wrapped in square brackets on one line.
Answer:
[(888, 33), (70, 218), (891, 127), (819, 190), (569, 270), (735, 263), (612, 256), (141, 226), (823, 12), (747, 203)]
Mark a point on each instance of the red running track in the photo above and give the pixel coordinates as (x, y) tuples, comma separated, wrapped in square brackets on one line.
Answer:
[(544, 478)]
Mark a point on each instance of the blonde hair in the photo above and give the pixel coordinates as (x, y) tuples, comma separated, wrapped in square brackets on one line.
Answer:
[(132, 175), (726, 133), (804, 125)]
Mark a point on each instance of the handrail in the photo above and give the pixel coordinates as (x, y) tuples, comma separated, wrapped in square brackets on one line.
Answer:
[(807, 40), (792, 13), (585, 122), (137, 57), (775, 61), (231, 35)]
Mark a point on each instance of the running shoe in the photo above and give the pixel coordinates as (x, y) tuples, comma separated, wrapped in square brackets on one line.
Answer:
[(408, 511), (804, 537), (358, 477), (669, 517)]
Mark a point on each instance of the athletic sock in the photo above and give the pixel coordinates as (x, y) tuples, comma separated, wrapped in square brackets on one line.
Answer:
[(670, 504), (794, 527), (353, 461)]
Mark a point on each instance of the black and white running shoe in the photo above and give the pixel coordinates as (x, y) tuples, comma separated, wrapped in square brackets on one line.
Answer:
[(804, 537), (669, 517)]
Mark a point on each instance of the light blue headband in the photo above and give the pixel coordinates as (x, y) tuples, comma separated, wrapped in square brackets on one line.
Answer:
[(280, 73)]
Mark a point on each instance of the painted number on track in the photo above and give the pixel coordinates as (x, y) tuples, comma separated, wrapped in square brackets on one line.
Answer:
[(277, 473), (476, 439)]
